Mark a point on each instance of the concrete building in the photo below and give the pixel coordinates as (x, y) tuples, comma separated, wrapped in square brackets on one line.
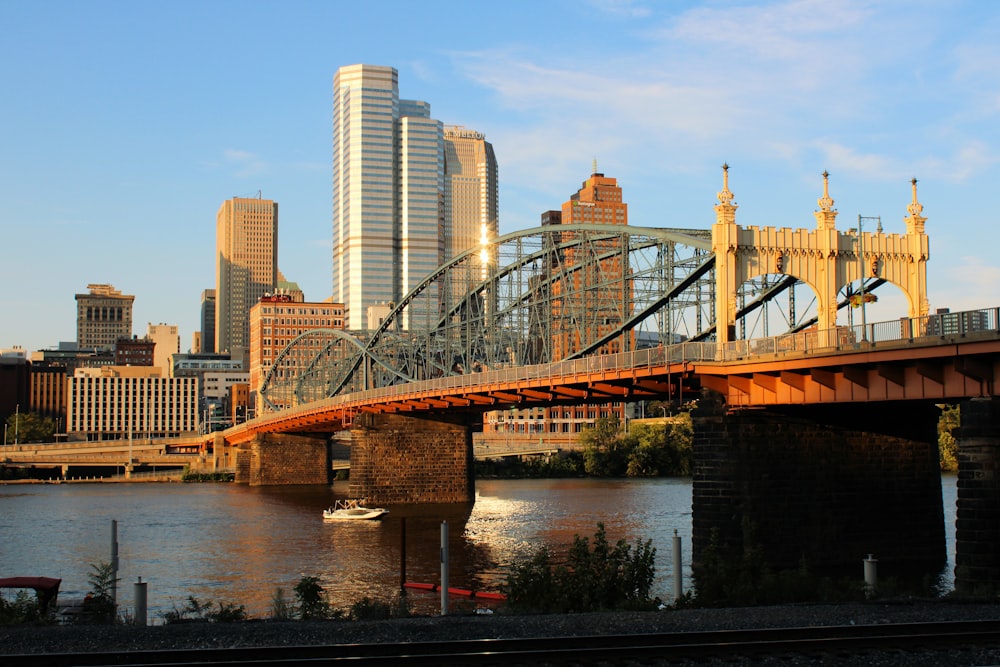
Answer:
[(388, 173), (119, 402), (168, 342), (277, 320), (246, 267), (103, 315), (206, 341)]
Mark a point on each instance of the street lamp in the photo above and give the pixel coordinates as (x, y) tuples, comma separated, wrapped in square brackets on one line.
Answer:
[(17, 421), (861, 267)]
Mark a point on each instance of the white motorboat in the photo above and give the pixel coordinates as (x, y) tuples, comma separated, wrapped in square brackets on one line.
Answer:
[(353, 510)]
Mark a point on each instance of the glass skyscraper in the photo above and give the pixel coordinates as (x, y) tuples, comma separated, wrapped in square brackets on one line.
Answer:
[(388, 173)]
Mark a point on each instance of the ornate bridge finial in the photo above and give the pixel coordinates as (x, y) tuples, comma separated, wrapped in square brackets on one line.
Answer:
[(825, 202), (725, 210), (826, 216), (915, 221)]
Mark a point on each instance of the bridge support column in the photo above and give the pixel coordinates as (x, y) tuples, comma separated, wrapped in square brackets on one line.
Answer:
[(275, 459), (403, 459), (825, 486), (977, 525)]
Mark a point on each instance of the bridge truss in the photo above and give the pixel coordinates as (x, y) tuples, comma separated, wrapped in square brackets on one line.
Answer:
[(530, 297)]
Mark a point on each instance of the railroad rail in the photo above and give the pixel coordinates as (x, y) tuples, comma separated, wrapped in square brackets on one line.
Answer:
[(650, 649)]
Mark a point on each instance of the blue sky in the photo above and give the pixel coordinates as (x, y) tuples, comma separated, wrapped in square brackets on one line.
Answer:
[(124, 126)]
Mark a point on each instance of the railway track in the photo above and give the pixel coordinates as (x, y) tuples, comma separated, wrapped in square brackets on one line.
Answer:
[(642, 649)]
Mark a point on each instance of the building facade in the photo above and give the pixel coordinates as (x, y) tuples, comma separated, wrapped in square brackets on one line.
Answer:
[(471, 194), (581, 313), (48, 393), (168, 342), (246, 267), (206, 339), (134, 351), (103, 315), (119, 402), (388, 183), (276, 321)]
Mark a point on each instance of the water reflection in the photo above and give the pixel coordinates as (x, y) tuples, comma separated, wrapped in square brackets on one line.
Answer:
[(239, 544)]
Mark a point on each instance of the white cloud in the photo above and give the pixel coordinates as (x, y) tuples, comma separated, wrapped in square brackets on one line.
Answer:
[(245, 162)]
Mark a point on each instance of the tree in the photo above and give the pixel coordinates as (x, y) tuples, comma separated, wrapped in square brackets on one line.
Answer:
[(604, 448), (30, 427), (947, 444)]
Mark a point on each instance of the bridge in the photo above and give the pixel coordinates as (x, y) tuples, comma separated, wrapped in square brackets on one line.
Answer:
[(815, 434)]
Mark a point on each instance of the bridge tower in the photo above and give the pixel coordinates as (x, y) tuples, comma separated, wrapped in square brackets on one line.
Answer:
[(825, 259)]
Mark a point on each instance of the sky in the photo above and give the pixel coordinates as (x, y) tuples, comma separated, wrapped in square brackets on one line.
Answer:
[(125, 125)]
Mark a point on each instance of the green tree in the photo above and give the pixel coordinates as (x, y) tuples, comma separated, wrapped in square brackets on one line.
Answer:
[(99, 605), (595, 576), (604, 448), (947, 444), (30, 427)]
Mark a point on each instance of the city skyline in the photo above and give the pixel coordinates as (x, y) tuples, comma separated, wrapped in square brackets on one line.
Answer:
[(111, 117)]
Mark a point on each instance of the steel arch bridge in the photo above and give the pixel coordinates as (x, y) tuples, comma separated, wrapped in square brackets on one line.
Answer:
[(534, 296)]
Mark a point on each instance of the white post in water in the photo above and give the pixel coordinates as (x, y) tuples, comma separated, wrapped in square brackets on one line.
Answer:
[(139, 592), (678, 568), (114, 561), (444, 568), (871, 575)]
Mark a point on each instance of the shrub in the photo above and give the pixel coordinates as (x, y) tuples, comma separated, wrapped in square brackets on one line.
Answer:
[(311, 602), (23, 610), (367, 609), (99, 605), (592, 579), (198, 612), (281, 610)]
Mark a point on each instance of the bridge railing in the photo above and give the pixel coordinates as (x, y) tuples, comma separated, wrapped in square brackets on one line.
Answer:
[(903, 331)]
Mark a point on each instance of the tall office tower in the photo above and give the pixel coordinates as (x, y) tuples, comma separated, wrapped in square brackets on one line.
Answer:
[(471, 200), (102, 317), (388, 184), (583, 310), (207, 338), (168, 342), (246, 247)]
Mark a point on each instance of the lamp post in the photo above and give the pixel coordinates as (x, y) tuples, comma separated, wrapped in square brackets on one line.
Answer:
[(17, 421), (861, 266)]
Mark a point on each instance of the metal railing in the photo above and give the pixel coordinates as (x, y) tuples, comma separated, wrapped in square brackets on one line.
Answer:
[(929, 330)]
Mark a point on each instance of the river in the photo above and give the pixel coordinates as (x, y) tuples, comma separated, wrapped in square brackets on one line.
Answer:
[(233, 543)]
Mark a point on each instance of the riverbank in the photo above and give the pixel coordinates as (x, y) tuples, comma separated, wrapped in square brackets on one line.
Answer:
[(71, 639)]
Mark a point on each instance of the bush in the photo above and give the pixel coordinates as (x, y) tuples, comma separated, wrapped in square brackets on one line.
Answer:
[(367, 609), (602, 578), (23, 610), (99, 605), (281, 610), (311, 602), (197, 612)]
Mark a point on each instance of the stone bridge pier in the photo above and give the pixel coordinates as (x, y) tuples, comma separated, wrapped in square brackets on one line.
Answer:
[(977, 525), (824, 485), (403, 459), (275, 459)]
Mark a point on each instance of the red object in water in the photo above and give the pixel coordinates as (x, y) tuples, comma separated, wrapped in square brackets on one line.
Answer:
[(456, 591)]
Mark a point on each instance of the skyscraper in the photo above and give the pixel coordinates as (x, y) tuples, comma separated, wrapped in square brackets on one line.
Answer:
[(102, 317), (246, 268), (207, 322), (471, 201), (388, 185)]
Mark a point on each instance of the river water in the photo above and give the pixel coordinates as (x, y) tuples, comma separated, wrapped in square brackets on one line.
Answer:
[(233, 543)]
